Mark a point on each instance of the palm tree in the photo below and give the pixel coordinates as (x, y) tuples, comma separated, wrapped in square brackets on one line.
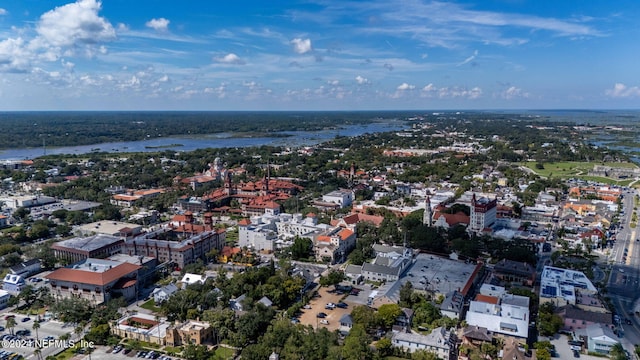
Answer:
[(38, 353), (11, 323), (36, 326)]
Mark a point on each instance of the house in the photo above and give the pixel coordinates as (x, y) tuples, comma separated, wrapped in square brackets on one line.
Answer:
[(237, 304), (190, 279), (346, 323), (476, 335), (162, 294), (334, 245), (404, 320), (13, 283), (600, 338), (265, 301), (353, 273), (26, 268), (452, 305), (439, 341), (575, 318), (513, 350)]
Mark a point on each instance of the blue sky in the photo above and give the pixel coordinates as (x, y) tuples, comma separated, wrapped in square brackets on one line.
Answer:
[(319, 55)]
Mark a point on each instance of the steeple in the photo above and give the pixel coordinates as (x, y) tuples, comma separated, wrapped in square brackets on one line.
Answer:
[(427, 217)]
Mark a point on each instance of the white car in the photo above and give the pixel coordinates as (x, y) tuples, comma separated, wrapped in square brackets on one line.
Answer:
[(324, 322)]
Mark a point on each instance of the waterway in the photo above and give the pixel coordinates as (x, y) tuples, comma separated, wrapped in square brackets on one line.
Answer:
[(222, 140)]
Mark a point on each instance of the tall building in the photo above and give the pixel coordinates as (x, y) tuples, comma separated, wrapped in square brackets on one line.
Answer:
[(427, 217), (483, 213)]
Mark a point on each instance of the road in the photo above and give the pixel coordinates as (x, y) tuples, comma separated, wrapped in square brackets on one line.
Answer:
[(624, 279)]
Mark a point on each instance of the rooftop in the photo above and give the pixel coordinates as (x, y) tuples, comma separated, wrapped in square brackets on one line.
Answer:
[(89, 243)]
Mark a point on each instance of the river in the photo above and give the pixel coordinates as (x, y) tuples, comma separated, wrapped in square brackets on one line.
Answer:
[(222, 140)]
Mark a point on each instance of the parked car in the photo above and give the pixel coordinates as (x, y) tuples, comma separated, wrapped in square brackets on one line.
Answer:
[(342, 305), (321, 315), (25, 319), (324, 322), (330, 306)]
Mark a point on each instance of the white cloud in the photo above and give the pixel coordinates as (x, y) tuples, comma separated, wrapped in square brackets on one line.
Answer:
[(301, 46), (13, 56), (230, 58), (333, 82), (361, 80), (405, 86), (75, 23), (623, 91), (455, 92), (160, 24), (514, 93), (3, 11), (469, 59)]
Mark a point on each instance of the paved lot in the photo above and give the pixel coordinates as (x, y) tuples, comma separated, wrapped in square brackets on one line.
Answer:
[(564, 351), (47, 328), (317, 305)]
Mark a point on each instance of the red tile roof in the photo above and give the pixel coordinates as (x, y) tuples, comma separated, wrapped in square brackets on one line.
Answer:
[(93, 278), (487, 299)]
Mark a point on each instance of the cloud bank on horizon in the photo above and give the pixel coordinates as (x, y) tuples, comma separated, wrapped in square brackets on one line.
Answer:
[(318, 55)]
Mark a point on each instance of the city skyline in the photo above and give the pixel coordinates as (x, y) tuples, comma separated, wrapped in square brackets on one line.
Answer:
[(318, 55)]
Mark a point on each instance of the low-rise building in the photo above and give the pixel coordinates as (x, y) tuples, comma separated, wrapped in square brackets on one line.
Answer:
[(507, 314), (515, 272), (95, 280), (141, 327), (334, 245), (162, 294), (440, 342), (97, 246), (452, 305), (109, 227), (190, 332), (600, 338), (342, 197), (13, 283), (4, 299), (559, 286), (26, 268)]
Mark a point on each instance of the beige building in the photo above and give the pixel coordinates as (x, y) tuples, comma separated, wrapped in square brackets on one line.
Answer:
[(190, 331), (141, 327)]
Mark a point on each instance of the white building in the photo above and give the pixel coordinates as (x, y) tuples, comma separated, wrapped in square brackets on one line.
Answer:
[(342, 197), (483, 213), (559, 285), (13, 283), (4, 299), (439, 341), (389, 264), (508, 314)]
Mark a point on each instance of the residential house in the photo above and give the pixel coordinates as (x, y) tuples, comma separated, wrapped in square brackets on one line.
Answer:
[(452, 305), (575, 318), (162, 294), (439, 341), (13, 283), (513, 350), (346, 323), (476, 335), (600, 338), (265, 301), (26, 268), (190, 279), (237, 304), (404, 320)]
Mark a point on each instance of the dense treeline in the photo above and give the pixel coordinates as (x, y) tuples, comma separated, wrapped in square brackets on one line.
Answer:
[(31, 129)]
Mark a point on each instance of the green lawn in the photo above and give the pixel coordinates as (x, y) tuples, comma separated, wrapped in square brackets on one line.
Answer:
[(224, 353), (577, 169), (150, 305)]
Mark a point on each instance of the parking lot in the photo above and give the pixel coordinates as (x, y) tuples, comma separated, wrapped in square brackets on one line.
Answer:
[(309, 316), (53, 329)]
